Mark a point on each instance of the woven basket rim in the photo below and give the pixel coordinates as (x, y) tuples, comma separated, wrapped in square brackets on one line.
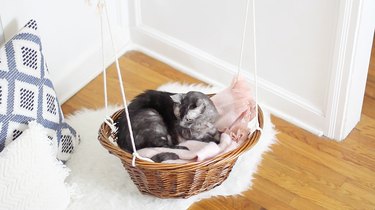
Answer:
[(105, 133)]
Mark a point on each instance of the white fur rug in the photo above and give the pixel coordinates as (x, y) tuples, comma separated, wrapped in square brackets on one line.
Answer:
[(99, 180)]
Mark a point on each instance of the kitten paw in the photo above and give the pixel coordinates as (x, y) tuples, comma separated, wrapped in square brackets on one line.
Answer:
[(158, 158), (180, 147)]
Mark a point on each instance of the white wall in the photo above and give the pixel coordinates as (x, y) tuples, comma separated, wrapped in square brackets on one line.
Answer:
[(70, 33), (305, 51)]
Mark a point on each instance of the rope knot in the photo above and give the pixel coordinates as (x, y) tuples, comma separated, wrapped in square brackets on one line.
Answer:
[(136, 155), (100, 5), (109, 121), (258, 128)]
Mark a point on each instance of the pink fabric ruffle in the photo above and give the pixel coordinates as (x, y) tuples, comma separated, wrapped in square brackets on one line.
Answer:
[(236, 108)]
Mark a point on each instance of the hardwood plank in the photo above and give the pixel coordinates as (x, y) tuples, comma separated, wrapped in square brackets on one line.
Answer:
[(309, 166), (261, 196), (368, 107), (358, 152), (305, 204), (346, 168), (162, 68), (367, 126), (299, 183), (279, 195), (227, 203), (323, 183), (370, 86), (362, 194), (360, 144)]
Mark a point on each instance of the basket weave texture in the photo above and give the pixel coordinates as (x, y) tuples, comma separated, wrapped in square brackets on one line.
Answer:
[(166, 180)]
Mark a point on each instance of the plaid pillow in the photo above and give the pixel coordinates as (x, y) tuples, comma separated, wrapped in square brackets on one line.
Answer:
[(27, 93)]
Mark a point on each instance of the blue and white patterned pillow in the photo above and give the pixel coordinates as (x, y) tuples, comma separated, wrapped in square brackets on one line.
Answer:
[(27, 93)]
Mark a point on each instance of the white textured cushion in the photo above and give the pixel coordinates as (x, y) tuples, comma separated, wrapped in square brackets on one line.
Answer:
[(30, 175)]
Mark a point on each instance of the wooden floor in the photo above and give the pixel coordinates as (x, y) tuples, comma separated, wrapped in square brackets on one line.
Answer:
[(301, 172)]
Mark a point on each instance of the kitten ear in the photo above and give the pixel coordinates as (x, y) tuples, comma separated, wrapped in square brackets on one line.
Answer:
[(201, 105), (176, 111), (177, 97), (200, 102)]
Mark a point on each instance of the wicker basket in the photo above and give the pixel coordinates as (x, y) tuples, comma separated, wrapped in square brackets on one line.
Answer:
[(177, 180)]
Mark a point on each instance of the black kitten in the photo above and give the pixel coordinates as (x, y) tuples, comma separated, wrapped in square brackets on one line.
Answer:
[(162, 119), (153, 122)]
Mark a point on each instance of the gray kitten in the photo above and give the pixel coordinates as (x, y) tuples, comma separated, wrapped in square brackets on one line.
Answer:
[(196, 116)]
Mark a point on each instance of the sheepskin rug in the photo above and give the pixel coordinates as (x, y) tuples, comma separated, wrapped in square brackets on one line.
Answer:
[(99, 181)]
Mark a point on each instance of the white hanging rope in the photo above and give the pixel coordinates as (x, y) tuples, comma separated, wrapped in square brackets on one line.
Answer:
[(257, 127), (101, 5), (255, 67), (108, 120), (103, 65), (243, 41)]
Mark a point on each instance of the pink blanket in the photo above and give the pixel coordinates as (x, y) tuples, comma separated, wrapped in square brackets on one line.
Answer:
[(198, 151)]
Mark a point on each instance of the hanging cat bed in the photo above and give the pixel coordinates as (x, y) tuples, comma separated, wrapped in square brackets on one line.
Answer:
[(166, 180)]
